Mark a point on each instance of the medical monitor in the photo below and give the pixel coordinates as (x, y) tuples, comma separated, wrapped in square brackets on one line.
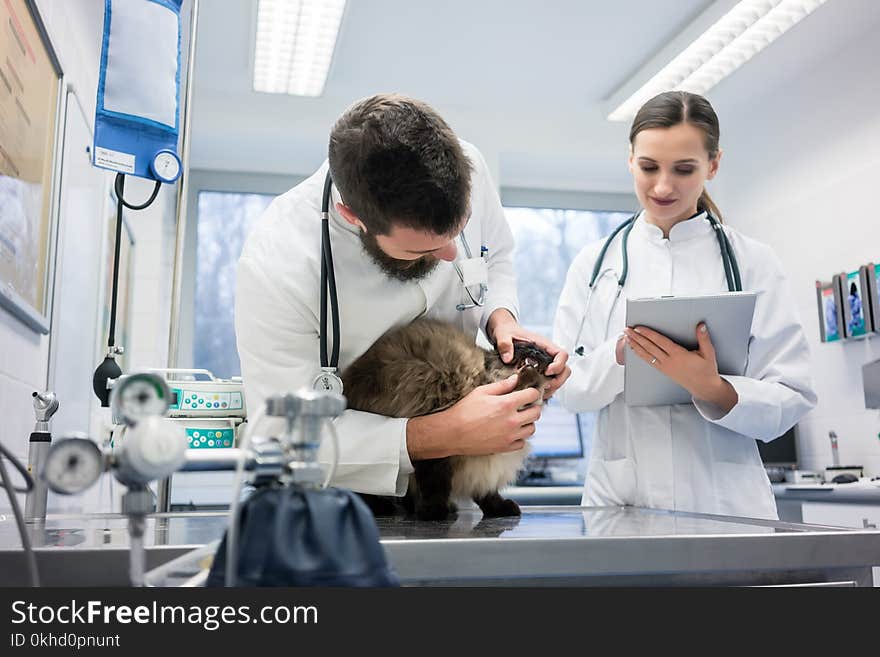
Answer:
[(781, 452), (559, 434)]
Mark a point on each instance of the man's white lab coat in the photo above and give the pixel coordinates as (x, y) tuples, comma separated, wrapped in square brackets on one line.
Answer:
[(277, 312), (689, 457)]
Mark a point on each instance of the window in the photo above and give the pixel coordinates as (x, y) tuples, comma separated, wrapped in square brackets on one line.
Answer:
[(547, 241), (224, 220)]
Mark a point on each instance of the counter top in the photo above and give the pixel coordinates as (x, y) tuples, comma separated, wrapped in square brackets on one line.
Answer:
[(545, 495), (546, 545), (855, 493)]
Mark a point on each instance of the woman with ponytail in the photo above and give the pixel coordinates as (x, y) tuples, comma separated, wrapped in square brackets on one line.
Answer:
[(699, 456)]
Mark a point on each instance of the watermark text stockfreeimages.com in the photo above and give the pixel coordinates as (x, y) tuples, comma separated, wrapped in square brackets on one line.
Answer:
[(210, 617)]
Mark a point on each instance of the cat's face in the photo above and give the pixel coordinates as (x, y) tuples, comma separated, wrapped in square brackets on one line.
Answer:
[(530, 362), (528, 355)]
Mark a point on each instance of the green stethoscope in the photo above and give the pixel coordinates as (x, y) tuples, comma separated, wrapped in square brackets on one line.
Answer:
[(731, 267)]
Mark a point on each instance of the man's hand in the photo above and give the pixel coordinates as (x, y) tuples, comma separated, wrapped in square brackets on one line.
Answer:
[(503, 328), (696, 371), (489, 420)]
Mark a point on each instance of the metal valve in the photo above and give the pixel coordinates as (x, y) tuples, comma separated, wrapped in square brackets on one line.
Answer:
[(311, 409), (45, 405), (320, 404)]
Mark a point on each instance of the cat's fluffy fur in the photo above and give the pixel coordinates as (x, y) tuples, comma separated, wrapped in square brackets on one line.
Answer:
[(426, 367)]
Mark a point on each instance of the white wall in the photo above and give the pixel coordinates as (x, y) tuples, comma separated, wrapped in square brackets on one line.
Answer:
[(23, 353), (74, 28), (154, 229), (799, 174)]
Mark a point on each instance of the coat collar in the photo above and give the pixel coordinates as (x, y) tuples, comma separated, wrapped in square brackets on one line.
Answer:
[(689, 229)]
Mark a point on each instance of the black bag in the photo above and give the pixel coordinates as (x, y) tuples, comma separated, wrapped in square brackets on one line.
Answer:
[(293, 536)]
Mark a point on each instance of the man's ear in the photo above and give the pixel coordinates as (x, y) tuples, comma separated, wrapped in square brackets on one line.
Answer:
[(350, 216)]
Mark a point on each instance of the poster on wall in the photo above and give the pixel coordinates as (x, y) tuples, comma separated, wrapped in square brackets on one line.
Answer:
[(830, 317), (29, 83), (869, 277), (854, 305)]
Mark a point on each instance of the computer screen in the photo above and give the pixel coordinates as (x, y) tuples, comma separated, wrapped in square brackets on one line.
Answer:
[(558, 434), (782, 451)]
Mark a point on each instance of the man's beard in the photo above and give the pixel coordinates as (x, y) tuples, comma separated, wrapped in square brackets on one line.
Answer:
[(399, 270)]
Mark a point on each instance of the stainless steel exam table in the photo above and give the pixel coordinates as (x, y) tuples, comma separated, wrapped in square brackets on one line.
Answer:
[(547, 545)]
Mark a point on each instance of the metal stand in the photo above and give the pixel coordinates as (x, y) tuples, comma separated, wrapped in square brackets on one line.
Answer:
[(45, 405), (136, 504), (163, 495)]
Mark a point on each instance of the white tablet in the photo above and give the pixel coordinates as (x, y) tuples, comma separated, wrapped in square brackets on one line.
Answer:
[(729, 319)]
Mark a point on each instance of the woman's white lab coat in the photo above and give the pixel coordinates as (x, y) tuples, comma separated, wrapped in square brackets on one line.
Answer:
[(688, 457), (277, 311)]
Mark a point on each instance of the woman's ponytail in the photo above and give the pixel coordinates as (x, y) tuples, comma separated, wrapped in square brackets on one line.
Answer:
[(706, 204)]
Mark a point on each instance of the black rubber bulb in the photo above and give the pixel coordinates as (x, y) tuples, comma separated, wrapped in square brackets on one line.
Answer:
[(107, 370)]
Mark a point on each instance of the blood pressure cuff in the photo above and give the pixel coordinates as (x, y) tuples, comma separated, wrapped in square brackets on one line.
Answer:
[(137, 110), (292, 536)]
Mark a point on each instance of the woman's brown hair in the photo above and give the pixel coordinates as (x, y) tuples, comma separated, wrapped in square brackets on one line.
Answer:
[(672, 108)]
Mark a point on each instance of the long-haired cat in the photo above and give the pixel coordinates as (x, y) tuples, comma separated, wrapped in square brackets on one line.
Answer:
[(426, 367)]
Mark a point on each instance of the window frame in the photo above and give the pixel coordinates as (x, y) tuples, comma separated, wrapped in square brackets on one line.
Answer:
[(548, 199), (560, 199), (224, 182)]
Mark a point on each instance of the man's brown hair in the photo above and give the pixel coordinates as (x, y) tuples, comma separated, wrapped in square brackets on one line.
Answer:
[(394, 160)]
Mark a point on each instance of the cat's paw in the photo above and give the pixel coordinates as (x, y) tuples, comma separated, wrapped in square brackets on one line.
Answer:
[(503, 508)]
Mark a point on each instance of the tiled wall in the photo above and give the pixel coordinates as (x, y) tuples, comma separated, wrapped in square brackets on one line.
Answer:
[(23, 353), (23, 366)]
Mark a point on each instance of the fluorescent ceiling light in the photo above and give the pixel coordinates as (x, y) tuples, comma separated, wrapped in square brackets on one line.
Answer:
[(726, 45), (294, 45)]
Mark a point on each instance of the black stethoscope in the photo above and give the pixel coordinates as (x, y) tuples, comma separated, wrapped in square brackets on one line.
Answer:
[(327, 379), (731, 267)]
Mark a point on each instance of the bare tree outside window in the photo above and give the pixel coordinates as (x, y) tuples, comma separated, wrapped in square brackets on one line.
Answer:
[(547, 241), (224, 220)]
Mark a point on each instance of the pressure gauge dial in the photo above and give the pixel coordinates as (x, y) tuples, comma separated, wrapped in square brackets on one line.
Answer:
[(166, 166), (72, 465), (138, 396)]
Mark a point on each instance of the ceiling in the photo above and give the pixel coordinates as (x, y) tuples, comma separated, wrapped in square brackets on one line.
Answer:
[(523, 80)]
